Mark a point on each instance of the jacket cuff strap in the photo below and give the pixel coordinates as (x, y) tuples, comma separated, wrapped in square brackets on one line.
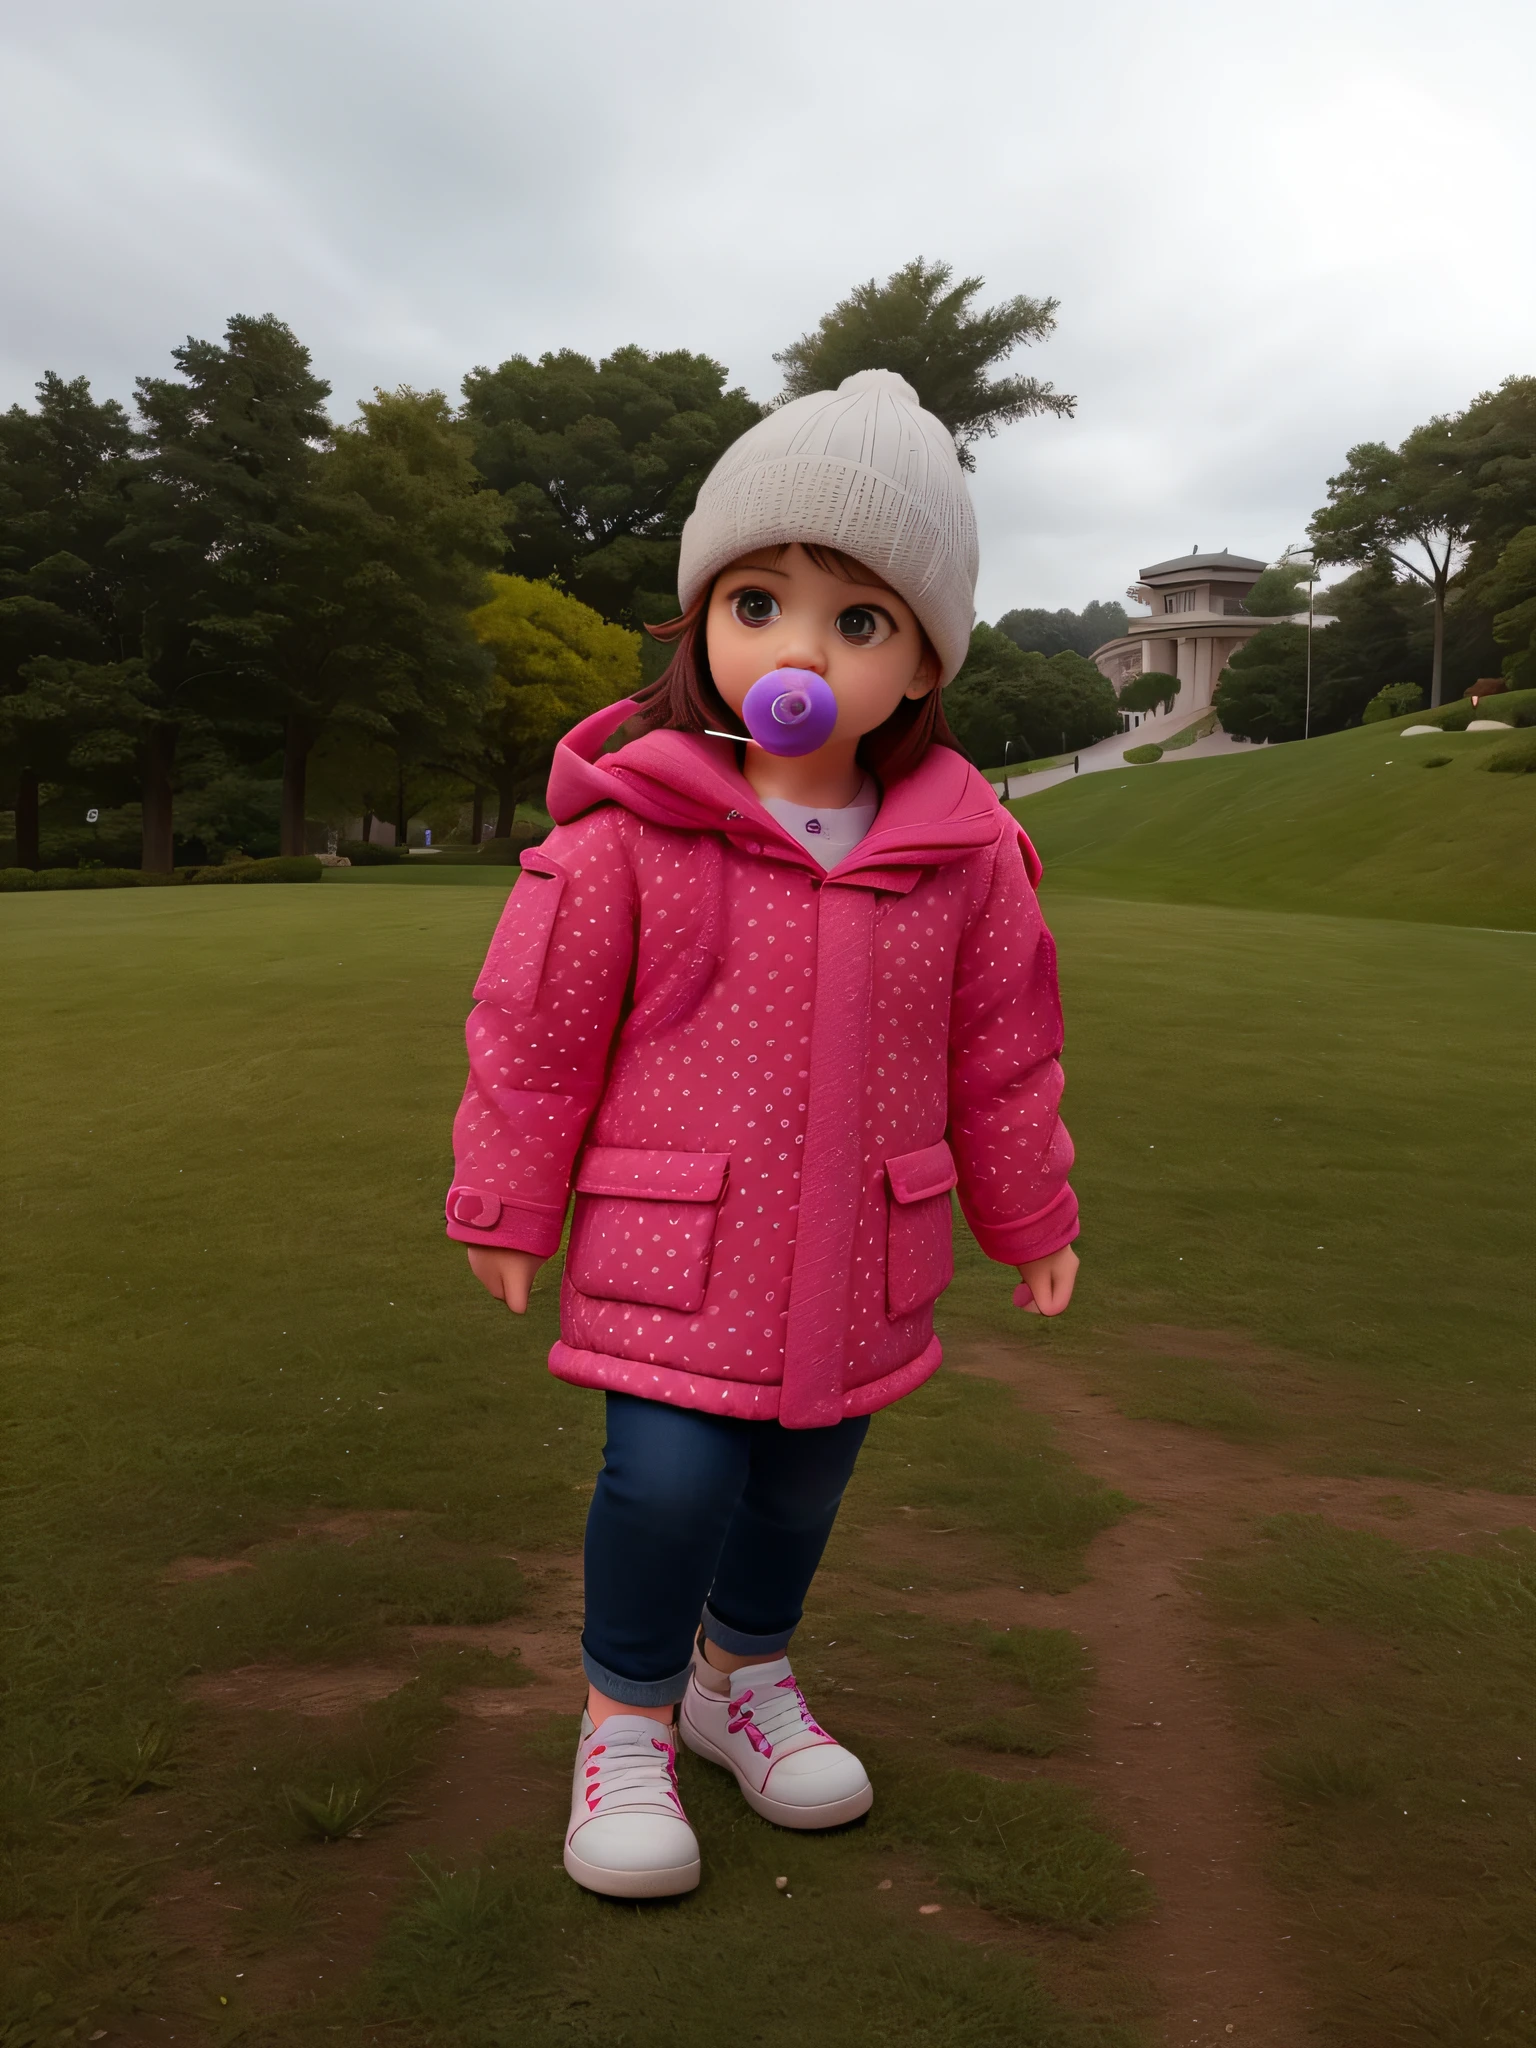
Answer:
[(477, 1216)]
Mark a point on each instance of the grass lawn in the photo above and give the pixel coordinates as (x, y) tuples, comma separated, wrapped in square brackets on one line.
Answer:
[(1350, 825), (261, 1422)]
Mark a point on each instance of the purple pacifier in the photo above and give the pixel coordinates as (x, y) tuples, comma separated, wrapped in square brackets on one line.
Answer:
[(790, 711)]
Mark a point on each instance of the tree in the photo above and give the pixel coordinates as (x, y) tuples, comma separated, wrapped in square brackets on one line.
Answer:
[(1395, 701), (599, 465), (1415, 505), (1152, 690), (923, 327), (231, 447), (60, 510), (1261, 693), (557, 661), (1006, 704), (364, 618), (1281, 591), (1064, 631), (1509, 590)]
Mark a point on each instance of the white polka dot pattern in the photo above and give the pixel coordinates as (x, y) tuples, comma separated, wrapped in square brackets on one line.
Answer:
[(681, 995)]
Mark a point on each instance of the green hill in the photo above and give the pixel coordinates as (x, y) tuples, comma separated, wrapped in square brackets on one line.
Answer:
[(1353, 824)]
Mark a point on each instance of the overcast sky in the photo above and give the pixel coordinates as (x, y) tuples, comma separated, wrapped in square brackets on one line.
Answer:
[(1273, 231)]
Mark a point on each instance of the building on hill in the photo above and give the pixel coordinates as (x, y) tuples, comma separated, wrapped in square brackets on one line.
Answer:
[(1195, 623)]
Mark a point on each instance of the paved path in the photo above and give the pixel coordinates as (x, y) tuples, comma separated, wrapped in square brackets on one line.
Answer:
[(1109, 754)]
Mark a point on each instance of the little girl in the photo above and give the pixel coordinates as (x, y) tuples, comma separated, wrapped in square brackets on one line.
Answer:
[(762, 1015)]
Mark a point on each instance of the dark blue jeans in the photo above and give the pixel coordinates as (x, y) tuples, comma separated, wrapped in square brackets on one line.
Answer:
[(701, 1513)]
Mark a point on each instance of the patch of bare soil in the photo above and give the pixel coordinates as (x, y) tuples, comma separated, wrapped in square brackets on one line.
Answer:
[(317, 1690), (1171, 1769), (187, 1571)]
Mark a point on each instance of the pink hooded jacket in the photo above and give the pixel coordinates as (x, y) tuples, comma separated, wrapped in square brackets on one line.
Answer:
[(761, 1079)]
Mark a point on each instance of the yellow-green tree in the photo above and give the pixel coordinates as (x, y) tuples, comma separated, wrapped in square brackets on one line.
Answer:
[(557, 661)]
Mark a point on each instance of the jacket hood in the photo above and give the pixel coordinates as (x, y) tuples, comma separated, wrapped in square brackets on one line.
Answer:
[(940, 812)]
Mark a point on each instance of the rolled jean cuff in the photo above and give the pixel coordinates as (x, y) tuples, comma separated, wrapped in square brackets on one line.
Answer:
[(738, 1645), (635, 1692)]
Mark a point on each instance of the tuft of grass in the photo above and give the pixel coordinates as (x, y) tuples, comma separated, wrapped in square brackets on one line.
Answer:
[(341, 1810), (1015, 1731), (1029, 1851), (319, 1599), (959, 1452), (1515, 756), (140, 1760), (1200, 1395), (1052, 1662), (1309, 1774)]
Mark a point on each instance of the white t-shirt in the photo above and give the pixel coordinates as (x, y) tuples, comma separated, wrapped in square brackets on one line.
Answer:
[(830, 835)]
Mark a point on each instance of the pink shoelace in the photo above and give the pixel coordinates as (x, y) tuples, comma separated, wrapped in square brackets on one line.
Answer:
[(629, 1777), (780, 1718)]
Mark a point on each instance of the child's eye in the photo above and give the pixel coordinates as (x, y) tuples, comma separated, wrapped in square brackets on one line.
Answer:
[(755, 607), (864, 626)]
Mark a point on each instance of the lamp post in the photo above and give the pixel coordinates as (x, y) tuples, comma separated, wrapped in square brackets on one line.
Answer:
[(1306, 723)]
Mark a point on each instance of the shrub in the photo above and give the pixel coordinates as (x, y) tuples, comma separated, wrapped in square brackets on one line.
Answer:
[(1150, 691), (1516, 707), (364, 854), (80, 878), (1395, 701), (1514, 756), (300, 867), (505, 852), (1140, 756)]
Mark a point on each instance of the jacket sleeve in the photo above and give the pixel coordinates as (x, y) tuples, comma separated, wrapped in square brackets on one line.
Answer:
[(547, 1005), (1011, 1148)]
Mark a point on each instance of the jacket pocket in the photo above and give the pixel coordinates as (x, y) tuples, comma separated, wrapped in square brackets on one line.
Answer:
[(919, 1248), (644, 1226), (514, 966)]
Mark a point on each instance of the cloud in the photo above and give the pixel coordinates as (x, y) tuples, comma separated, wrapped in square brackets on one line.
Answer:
[(1272, 235)]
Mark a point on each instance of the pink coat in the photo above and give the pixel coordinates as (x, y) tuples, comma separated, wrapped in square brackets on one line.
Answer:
[(762, 1081)]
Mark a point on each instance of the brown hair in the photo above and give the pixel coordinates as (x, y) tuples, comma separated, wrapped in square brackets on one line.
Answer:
[(683, 698)]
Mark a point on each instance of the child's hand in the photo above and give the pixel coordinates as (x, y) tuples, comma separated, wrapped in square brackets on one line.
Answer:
[(506, 1274), (1047, 1284)]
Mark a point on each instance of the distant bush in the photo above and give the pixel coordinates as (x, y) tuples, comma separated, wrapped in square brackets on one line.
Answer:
[(1514, 707), (1514, 756), (364, 854), (301, 867), (80, 878), (1140, 756), (1150, 691), (1395, 701), (505, 852)]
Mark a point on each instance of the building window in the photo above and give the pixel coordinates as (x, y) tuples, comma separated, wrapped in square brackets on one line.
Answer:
[(1179, 601)]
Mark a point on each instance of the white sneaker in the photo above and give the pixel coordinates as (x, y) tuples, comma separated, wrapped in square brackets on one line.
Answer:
[(629, 1836), (760, 1729)]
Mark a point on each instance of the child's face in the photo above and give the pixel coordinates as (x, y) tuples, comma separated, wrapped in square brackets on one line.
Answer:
[(777, 609)]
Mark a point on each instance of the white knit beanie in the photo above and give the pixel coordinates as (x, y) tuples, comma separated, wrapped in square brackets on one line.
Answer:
[(863, 469)]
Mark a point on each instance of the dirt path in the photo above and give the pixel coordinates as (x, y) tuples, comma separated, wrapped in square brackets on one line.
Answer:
[(1175, 1775)]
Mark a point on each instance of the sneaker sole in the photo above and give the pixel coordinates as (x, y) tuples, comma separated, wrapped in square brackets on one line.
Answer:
[(833, 1814), (632, 1884)]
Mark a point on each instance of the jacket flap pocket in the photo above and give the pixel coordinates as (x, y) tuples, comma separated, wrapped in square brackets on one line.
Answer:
[(919, 1176), (652, 1176), (514, 967)]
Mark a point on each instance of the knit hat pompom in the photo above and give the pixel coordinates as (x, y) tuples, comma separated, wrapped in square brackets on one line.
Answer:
[(863, 469)]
